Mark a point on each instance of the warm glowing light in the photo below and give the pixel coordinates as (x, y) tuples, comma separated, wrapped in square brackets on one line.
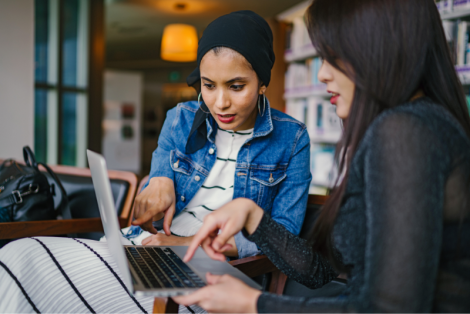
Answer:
[(191, 7), (179, 43)]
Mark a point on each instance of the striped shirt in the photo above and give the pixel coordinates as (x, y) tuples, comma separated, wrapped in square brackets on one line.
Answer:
[(217, 189)]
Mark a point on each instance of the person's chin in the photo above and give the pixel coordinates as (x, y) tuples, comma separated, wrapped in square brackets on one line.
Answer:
[(229, 126), (342, 115)]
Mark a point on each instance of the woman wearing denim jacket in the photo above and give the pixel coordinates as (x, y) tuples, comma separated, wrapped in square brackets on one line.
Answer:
[(272, 166), (269, 167)]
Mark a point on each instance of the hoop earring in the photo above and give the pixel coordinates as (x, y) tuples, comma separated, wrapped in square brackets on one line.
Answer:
[(264, 105), (199, 103)]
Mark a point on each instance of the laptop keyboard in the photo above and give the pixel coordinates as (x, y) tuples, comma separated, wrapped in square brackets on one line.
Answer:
[(161, 268)]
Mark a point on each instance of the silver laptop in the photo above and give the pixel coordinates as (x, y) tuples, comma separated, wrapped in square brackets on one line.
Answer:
[(152, 270)]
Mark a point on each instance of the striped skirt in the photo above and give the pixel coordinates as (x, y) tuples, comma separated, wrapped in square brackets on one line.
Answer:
[(63, 275)]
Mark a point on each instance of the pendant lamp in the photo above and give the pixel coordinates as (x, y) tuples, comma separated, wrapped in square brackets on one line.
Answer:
[(179, 43)]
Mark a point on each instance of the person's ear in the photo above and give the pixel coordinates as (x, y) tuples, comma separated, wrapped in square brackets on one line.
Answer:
[(262, 89)]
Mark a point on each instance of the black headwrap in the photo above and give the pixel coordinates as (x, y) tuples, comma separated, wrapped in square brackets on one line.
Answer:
[(245, 32)]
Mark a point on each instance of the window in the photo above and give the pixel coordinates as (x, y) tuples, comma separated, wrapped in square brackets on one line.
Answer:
[(61, 81)]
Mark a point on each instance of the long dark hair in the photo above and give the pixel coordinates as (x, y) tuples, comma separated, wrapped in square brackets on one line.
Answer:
[(394, 48)]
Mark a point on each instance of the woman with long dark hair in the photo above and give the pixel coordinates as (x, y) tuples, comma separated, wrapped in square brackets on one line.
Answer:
[(398, 221)]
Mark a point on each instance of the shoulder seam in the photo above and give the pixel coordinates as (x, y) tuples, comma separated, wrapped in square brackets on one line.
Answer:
[(182, 105), (297, 137), (288, 120)]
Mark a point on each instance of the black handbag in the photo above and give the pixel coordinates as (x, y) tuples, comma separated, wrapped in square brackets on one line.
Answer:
[(25, 192)]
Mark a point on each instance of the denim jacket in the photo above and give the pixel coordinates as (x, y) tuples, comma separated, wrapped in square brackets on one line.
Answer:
[(272, 167)]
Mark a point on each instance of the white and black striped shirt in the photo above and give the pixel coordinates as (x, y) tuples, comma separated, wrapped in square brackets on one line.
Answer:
[(217, 189)]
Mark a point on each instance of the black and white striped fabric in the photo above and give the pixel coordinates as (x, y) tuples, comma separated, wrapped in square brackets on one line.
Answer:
[(217, 189), (63, 275)]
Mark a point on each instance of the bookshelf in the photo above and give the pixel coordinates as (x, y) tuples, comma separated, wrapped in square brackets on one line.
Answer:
[(307, 99), (305, 52), (455, 15), (316, 90), (453, 9)]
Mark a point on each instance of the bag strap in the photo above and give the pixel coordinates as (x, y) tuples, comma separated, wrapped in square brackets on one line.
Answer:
[(63, 207), (29, 158), (16, 197)]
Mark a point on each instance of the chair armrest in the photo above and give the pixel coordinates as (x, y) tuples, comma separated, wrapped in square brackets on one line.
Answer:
[(165, 305), (254, 265), (22, 229)]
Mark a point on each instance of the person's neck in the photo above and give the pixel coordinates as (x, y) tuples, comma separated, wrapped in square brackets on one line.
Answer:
[(419, 93)]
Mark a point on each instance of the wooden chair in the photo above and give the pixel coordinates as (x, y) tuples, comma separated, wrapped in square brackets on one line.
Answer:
[(126, 181), (257, 265)]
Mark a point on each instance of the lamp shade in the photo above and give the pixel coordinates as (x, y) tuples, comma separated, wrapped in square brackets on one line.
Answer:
[(179, 43)]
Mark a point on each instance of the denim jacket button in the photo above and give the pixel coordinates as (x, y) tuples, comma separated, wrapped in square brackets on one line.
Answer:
[(183, 198), (211, 151), (271, 179), (197, 178)]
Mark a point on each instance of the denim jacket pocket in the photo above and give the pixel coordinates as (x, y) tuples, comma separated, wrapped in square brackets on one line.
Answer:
[(264, 183), (181, 165)]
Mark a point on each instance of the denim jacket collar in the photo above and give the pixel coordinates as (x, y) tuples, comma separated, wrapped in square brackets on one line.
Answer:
[(263, 125)]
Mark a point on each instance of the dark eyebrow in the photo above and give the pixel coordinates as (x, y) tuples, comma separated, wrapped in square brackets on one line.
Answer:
[(238, 78), (205, 78)]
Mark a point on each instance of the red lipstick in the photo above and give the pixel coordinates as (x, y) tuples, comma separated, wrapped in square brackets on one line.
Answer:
[(226, 118), (334, 97)]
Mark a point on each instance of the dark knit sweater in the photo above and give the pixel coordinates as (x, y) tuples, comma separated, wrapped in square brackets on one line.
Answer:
[(403, 228)]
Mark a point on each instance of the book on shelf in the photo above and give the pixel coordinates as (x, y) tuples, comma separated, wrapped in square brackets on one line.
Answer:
[(298, 36), (458, 38), (444, 6), (323, 125), (303, 74), (288, 45), (297, 75), (322, 165), (297, 109), (447, 6), (459, 5)]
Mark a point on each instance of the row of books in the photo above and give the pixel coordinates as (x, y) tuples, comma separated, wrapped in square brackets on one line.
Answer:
[(447, 6), (458, 39), (297, 35), (303, 74), (323, 124), (324, 129)]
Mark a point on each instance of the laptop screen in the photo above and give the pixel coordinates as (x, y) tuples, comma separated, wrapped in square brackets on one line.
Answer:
[(104, 196)]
